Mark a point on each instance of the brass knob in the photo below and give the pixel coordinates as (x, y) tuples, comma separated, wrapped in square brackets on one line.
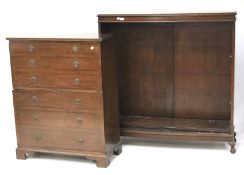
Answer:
[(32, 63), (75, 48), (30, 48), (77, 101), (92, 48), (34, 99), (77, 81), (35, 118), (79, 120), (33, 79), (38, 138), (81, 140), (76, 64)]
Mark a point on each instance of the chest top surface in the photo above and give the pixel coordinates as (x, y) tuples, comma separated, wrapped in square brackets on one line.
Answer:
[(62, 38)]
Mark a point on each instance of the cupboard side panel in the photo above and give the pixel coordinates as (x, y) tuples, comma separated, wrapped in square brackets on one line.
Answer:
[(145, 59)]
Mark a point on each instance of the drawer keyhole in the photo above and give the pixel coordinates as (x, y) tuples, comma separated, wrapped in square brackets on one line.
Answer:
[(79, 120), (32, 63), (35, 118), (34, 79), (38, 138), (77, 101), (76, 81), (34, 99), (81, 140)]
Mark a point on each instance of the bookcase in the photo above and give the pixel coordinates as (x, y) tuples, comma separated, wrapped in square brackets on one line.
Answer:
[(175, 75)]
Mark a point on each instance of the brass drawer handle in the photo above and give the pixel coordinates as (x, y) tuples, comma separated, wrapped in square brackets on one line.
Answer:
[(77, 101), (75, 48), (81, 140), (36, 118), (79, 120), (34, 99), (30, 48), (76, 81), (76, 64), (33, 79), (38, 138)]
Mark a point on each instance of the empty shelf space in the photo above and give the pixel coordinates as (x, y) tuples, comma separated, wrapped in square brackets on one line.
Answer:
[(163, 124)]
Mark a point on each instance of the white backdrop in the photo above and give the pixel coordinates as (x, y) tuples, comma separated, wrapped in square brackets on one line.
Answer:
[(60, 17)]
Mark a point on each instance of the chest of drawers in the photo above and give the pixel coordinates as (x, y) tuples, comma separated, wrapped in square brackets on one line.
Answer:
[(65, 97)]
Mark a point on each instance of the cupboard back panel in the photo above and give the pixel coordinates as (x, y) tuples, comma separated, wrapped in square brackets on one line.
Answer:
[(174, 70), (202, 53), (145, 62)]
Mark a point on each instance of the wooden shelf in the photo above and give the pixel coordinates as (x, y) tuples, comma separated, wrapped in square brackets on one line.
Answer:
[(175, 128)]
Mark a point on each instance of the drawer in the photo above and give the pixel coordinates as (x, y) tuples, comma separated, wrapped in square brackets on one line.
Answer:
[(64, 80), (69, 120), (58, 101), (54, 64), (88, 49), (83, 140)]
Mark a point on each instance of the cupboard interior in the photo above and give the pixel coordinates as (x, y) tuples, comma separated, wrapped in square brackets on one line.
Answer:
[(174, 76)]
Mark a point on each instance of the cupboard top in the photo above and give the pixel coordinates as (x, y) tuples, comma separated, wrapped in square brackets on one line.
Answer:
[(180, 17), (64, 38)]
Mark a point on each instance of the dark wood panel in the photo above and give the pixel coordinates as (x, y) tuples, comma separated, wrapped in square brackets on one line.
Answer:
[(175, 124), (202, 107), (110, 93), (232, 78), (205, 84), (59, 101), (203, 53), (60, 138), (144, 54)]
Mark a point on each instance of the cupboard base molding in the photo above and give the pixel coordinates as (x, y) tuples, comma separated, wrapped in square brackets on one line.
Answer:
[(180, 136), (178, 129), (102, 159)]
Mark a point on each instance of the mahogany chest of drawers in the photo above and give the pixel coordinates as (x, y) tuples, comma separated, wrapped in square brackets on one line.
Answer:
[(65, 97)]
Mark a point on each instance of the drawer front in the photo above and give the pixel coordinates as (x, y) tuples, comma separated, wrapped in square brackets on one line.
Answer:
[(54, 64), (64, 80), (60, 139), (58, 101), (68, 120), (88, 49)]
